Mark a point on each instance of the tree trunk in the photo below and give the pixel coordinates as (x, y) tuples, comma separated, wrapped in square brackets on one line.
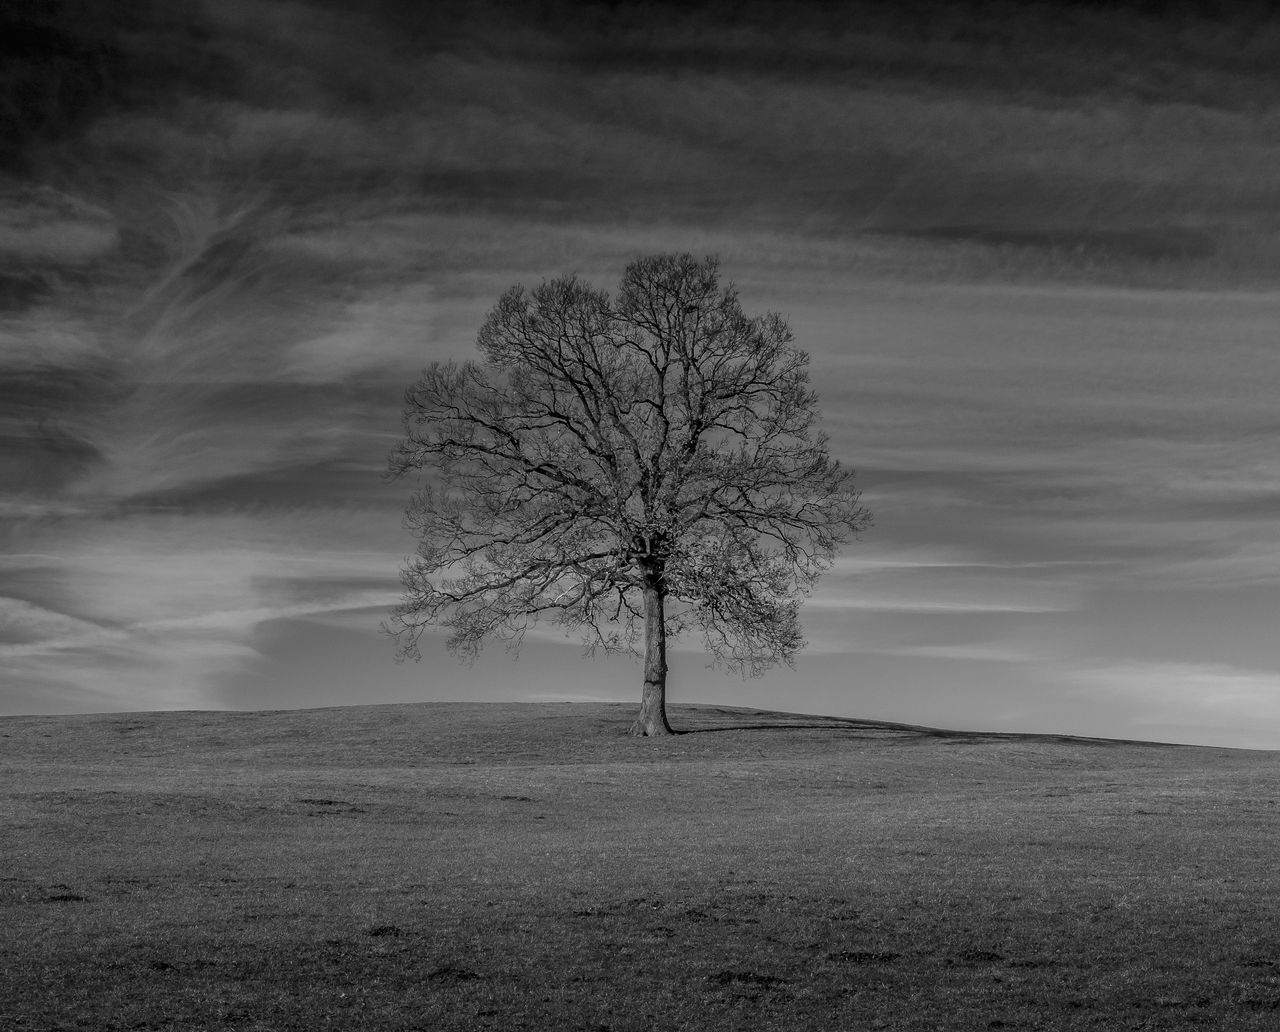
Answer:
[(653, 703)]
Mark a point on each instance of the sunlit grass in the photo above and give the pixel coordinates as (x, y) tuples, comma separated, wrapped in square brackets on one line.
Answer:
[(461, 867)]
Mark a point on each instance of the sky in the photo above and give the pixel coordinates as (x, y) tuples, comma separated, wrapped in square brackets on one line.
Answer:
[(1032, 250)]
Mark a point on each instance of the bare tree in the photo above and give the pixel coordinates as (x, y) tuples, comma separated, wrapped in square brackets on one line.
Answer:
[(646, 460)]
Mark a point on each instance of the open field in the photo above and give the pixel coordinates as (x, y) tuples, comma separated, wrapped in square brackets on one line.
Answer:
[(529, 866)]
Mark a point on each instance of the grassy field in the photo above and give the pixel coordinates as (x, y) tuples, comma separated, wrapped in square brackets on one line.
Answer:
[(531, 867)]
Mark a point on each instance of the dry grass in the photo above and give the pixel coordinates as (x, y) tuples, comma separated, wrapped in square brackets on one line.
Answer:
[(505, 867)]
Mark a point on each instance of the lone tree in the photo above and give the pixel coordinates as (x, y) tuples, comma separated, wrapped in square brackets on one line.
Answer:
[(645, 460)]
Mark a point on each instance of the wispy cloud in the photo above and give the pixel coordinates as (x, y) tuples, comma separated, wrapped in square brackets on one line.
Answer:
[(174, 662), (27, 628), (1029, 266), (972, 653), (881, 604), (151, 604), (1206, 702)]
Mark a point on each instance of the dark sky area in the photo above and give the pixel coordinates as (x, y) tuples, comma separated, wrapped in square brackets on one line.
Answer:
[(1032, 249)]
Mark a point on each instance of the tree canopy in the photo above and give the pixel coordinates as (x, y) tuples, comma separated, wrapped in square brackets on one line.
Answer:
[(642, 463)]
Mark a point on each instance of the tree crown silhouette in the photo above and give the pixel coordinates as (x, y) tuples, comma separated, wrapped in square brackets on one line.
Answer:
[(644, 462)]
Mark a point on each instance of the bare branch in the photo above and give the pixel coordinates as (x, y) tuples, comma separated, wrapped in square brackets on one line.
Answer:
[(657, 441)]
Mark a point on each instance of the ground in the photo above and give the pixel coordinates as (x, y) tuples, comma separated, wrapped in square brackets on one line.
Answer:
[(531, 866)]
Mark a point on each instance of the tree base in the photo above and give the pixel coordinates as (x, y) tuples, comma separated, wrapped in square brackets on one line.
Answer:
[(652, 720), (639, 729)]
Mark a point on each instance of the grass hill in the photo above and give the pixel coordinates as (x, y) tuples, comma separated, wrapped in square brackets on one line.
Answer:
[(460, 866)]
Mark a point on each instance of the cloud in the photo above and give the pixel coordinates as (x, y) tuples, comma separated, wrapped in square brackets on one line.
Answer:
[(26, 628), (943, 582), (223, 258), (968, 653), (174, 604), (165, 663), (380, 333), (179, 673), (41, 339), (288, 224), (1196, 699), (152, 596), (44, 226), (869, 558), (881, 604)]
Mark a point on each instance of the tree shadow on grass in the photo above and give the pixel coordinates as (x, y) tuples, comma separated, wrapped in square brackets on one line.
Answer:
[(887, 729)]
